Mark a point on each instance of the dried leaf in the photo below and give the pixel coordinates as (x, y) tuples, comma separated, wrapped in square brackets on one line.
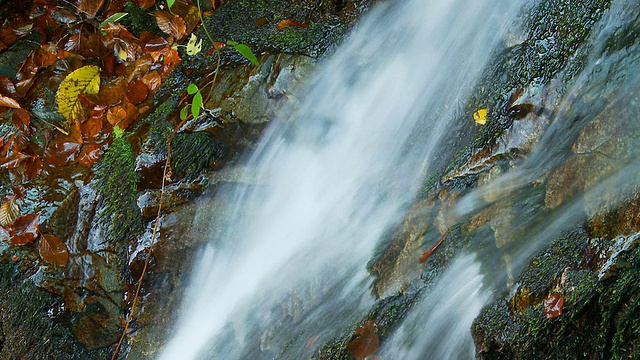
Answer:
[(64, 150), (22, 120), (553, 305), (286, 23), (113, 18), (480, 116), (33, 167), (171, 24), (85, 80), (25, 229), (9, 212), (428, 253), (89, 154), (9, 102), (90, 7), (261, 21), (365, 341), (53, 250), (137, 92), (4, 235)]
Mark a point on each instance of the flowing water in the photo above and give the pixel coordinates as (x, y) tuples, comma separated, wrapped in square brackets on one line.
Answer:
[(339, 169)]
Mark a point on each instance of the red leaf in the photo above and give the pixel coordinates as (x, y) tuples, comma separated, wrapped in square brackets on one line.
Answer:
[(137, 92), (25, 229), (53, 250), (64, 150), (171, 24), (553, 305), (8, 102), (89, 154), (33, 167), (428, 253), (22, 120), (286, 23), (365, 341), (90, 7)]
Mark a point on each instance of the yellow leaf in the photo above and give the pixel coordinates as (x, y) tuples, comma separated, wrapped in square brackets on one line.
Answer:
[(122, 54), (9, 212), (194, 46), (85, 80), (480, 116)]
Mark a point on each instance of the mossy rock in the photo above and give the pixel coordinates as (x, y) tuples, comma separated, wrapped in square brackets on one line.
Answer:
[(32, 323)]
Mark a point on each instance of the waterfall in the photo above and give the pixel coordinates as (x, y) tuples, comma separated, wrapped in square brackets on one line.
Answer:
[(335, 172)]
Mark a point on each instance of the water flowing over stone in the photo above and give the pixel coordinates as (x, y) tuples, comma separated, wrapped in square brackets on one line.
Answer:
[(336, 172)]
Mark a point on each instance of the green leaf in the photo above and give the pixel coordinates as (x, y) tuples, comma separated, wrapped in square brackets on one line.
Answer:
[(245, 51), (170, 3), (113, 18), (85, 80), (196, 105), (192, 89), (184, 112)]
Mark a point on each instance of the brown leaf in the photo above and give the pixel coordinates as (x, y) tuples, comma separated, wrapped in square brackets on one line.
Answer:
[(428, 253), (261, 21), (553, 305), (365, 341), (89, 154), (64, 150), (171, 24), (53, 250), (286, 23), (90, 7), (33, 167), (137, 92), (9, 212), (8, 102), (153, 80), (25, 229), (22, 120), (152, 42)]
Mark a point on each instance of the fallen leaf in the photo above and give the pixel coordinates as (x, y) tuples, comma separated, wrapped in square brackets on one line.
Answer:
[(64, 150), (89, 154), (553, 305), (53, 250), (137, 92), (22, 120), (85, 80), (428, 253), (90, 7), (365, 341), (194, 46), (171, 24), (286, 23), (25, 229), (261, 21), (8, 102), (480, 116), (33, 167), (9, 211)]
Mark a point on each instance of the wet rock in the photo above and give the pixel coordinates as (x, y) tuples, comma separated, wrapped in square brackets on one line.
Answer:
[(399, 265)]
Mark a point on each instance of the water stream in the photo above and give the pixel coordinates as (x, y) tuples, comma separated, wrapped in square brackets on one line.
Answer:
[(337, 170)]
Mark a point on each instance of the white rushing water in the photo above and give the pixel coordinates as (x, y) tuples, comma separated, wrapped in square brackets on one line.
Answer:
[(336, 172)]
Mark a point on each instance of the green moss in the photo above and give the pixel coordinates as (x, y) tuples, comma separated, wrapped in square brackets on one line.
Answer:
[(192, 152), (116, 184)]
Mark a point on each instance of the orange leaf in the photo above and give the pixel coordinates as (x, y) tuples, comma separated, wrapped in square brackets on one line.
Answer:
[(89, 154), (25, 229), (33, 167), (365, 341), (116, 114), (153, 80), (22, 120), (428, 253), (8, 102), (171, 24), (53, 250), (64, 150), (286, 23), (553, 305), (137, 92)]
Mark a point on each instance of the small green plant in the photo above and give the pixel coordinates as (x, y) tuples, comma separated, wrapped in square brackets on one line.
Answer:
[(196, 104)]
